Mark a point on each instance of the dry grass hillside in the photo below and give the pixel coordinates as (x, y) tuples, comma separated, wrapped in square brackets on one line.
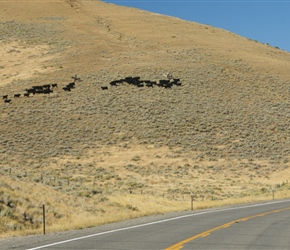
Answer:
[(95, 156)]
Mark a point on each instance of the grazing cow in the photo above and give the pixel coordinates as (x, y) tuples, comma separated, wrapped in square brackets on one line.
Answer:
[(47, 86), (167, 85), (164, 81), (47, 91), (71, 85), (114, 83), (66, 88), (7, 100), (128, 78), (26, 94), (5, 96), (54, 85), (146, 81), (136, 80), (38, 91), (17, 95), (149, 84), (132, 80), (175, 80), (104, 87), (31, 91), (37, 87)]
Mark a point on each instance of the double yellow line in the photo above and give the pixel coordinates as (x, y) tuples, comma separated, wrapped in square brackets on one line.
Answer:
[(180, 244)]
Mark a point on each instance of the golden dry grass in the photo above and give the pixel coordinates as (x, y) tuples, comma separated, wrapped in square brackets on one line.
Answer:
[(133, 182)]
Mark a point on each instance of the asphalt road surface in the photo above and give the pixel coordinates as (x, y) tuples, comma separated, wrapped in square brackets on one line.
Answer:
[(253, 226)]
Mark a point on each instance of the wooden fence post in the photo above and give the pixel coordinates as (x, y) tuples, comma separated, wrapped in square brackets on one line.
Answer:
[(43, 217), (191, 199)]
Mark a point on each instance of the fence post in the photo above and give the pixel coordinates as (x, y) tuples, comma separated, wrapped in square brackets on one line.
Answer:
[(273, 192), (191, 199), (43, 217)]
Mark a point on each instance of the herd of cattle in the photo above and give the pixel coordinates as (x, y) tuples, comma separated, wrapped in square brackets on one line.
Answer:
[(42, 89), (136, 81)]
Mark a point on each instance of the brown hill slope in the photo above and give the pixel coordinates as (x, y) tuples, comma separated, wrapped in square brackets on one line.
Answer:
[(223, 132)]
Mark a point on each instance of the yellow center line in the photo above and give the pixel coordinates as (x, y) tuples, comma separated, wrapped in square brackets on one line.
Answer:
[(180, 244), (244, 219)]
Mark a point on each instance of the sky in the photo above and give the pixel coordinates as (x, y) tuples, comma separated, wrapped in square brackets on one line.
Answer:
[(265, 21)]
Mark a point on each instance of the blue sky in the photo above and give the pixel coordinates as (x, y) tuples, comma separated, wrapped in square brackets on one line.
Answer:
[(265, 21)]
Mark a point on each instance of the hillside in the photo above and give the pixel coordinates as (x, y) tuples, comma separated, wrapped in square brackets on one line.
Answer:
[(223, 133)]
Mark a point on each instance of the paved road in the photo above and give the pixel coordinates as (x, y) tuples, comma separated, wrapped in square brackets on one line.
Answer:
[(253, 226)]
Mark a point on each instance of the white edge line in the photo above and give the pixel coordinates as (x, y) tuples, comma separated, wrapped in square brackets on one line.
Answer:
[(155, 222)]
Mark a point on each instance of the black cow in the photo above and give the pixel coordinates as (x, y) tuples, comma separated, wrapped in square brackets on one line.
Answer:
[(164, 81), (46, 86), (133, 80), (114, 83), (17, 95), (37, 87), (104, 87), (47, 91), (7, 100), (30, 91), (26, 94), (167, 85), (71, 85), (176, 82), (149, 84), (5, 96), (66, 88)]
